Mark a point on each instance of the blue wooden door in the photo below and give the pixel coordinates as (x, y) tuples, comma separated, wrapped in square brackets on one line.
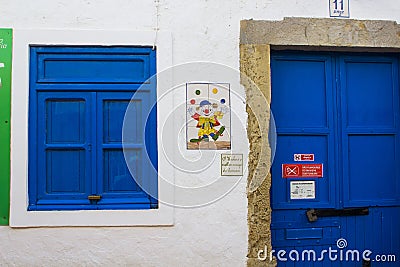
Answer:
[(337, 158)]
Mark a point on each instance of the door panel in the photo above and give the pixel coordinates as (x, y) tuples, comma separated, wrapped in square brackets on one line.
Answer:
[(378, 232), (370, 106), (317, 144), (371, 178), (301, 80), (304, 125), (368, 88)]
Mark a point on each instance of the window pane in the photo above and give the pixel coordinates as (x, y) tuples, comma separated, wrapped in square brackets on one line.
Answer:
[(117, 177), (65, 172), (114, 113), (65, 120)]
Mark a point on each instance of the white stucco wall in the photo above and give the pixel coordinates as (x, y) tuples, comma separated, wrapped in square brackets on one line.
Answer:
[(201, 30)]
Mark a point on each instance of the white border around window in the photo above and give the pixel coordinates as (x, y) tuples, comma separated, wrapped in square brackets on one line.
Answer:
[(19, 215)]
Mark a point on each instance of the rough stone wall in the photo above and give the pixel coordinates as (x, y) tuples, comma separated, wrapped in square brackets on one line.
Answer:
[(256, 79), (256, 39)]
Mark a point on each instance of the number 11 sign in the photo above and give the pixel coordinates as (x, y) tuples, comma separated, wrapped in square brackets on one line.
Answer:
[(339, 8)]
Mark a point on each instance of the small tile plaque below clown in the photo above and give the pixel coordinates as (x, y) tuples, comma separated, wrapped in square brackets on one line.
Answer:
[(208, 123)]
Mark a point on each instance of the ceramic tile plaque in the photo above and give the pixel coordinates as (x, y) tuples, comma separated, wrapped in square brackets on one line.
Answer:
[(208, 118)]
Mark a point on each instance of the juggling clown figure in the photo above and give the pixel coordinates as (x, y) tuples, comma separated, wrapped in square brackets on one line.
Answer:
[(207, 114)]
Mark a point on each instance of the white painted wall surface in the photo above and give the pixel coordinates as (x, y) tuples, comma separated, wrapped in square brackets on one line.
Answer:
[(202, 30)]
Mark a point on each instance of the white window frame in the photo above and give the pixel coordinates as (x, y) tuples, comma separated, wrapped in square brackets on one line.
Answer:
[(19, 215)]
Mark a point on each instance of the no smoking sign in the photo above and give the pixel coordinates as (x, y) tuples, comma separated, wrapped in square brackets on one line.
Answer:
[(303, 170)]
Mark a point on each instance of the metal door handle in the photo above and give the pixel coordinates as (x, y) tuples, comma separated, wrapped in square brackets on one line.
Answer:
[(313, 214)]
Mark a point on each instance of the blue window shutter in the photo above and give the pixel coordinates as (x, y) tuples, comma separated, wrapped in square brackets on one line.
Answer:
[(64, 140), (119, 186), (78, 100)]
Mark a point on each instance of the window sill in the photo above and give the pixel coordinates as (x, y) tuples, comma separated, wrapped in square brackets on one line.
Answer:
[(153, 217)]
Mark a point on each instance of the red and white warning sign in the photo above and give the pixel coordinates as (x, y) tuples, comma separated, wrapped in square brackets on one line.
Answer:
[(303, 170), (303, 157)]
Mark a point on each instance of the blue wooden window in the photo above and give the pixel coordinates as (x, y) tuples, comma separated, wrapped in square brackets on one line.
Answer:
[(78, 100)]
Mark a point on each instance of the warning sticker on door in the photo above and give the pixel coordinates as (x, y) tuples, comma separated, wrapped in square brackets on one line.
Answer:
[(303, 157), (303, 170), (302, 189)]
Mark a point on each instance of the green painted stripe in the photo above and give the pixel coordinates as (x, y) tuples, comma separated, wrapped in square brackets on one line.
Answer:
[(5, 106)]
